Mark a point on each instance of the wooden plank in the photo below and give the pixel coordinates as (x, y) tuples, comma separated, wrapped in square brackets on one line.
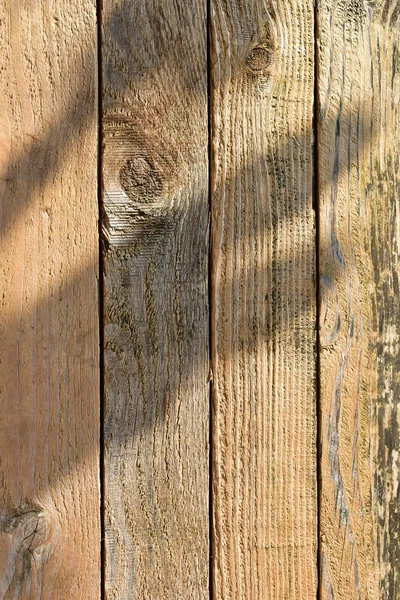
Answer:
[(49, 371), (264, 301), (359, 87), (155, 173)]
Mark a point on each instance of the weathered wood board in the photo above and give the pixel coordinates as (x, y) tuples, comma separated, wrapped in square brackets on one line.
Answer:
[(359, 94), (264, 470), (162, 318), (49, 367), (155, 223)]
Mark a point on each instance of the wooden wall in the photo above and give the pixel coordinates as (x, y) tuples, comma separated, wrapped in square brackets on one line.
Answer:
[(199, 300)]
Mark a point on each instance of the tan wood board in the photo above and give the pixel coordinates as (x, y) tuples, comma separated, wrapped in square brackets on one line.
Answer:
[(263, 301), (360, 306), (155, 223), (49, 367)]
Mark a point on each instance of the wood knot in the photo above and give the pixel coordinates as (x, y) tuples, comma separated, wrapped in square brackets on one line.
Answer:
[(34, 531), (260, 60), (29, 527), (140, 180)]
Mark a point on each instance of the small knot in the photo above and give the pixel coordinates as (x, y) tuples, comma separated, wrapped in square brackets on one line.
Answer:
[(28, 525), (35, 531), (260, 59), (140, 180)]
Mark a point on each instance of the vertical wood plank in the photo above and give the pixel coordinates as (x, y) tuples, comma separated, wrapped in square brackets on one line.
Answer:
[(49, 368), (155, 175), (263, 300), (359, 88)]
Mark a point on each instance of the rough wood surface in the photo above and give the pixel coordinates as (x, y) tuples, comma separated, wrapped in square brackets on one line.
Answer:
[(155, 176), (359, 83), (263, 301), (49, 372)]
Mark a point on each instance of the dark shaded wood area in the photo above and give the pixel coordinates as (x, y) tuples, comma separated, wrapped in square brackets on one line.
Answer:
[(156, 329)]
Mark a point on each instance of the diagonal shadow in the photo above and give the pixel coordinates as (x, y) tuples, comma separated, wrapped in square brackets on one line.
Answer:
[(142, 405)]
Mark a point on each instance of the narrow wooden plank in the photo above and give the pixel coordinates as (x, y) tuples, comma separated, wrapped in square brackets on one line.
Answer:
[(49, 368), (264, 301), (155, 172), (360, 306)]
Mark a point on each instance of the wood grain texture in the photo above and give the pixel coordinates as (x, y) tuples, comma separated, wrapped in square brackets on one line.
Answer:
[(155, 175), (49, 368), (263, 301), (359, 83)]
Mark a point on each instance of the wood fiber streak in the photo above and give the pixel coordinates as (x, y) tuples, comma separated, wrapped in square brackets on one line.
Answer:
[(49, 368), (359, 132), (155, 228), (263, 301)]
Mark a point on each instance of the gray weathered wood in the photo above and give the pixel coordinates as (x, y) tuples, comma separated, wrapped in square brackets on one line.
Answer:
[(359, 88), (155, 223)]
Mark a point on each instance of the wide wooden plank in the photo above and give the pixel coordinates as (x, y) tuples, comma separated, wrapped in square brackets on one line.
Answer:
[(359, 83), (49, 368), (155, 223), (263, 301)]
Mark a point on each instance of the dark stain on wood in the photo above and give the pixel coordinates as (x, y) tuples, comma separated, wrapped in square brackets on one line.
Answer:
[(140, 180), (260, 60), (386, 303)]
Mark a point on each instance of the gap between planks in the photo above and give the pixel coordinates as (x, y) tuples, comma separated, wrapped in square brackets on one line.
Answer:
[(316, 204), (99, 6)]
